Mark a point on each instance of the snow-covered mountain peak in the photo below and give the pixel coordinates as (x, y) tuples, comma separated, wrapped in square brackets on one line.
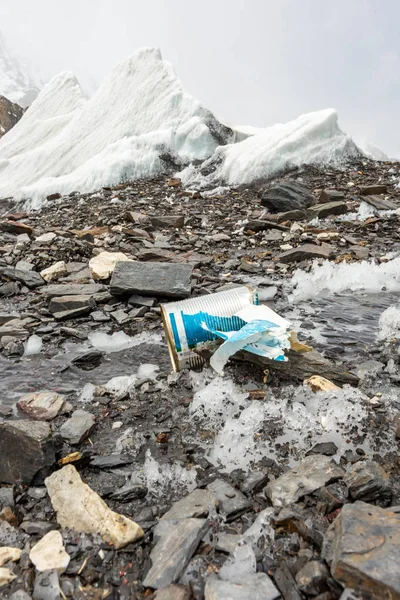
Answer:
[(16, 82)]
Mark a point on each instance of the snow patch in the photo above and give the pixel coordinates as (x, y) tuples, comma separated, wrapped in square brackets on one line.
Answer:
[(389, 324), (367, 276), (121, 341), (249, 430), (162, 478)]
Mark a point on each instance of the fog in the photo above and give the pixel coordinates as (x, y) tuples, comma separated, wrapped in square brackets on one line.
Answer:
[(253, 63)]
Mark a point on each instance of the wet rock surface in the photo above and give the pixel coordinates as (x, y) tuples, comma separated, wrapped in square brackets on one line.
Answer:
[(278, 480)]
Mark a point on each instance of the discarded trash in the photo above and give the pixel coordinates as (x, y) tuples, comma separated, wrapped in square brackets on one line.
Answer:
[(233, 316)]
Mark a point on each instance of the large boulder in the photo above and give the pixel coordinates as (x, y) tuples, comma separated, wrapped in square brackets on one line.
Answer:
[(26, 447), (286, 196)]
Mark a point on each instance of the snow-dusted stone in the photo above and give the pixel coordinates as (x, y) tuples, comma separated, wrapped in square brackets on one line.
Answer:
[(55, 271), (102, 265), (49, 553), (25, 448), (6, 576), (176, 542), (43, 406), (151, 279), (312, 473), (196, 504), (257, 586), (78, 427), (80, 508), (9, 554)]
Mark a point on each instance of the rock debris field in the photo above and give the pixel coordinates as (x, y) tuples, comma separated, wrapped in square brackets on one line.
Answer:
[(121, 479)]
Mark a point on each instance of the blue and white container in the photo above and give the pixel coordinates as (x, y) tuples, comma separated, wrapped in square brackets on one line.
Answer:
[(184, 322)]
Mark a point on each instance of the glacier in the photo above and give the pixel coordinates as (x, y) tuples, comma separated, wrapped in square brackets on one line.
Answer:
[(137, 124)]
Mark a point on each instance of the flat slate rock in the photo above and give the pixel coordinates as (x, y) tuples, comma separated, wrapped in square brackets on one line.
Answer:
[(152, 279), (73, 289), (330, 196), (78, 427), (255, 586), (177, 541), (68, 303), (261, 225), (363, 548), (370, 190), (196, 504), (25, 448), (312, 473), (110, 461), (367, 481), (304, 252), (29, 278), (380, 203), (287, 196), (321, 211), (231, 501)]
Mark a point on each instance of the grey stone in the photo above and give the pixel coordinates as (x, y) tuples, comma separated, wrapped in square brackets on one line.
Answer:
[(369, 368), (6, 497), (165, 222), (325, 448), (260, 225), (23, 265), (377, 188), (363, 548), (15, 227), (255, 482), (130, 491), (306, 251), (78, 427), (20, 595), (43, 406), (306, 522), (29, 278), (111, 461), (291, 215), (380, 203), (312, 578), (152, 279), (367, 481), (330, 196), (257, 586), (312, 473), (6, 317), (287, 196), (231, 501), (176, 543), (47, 586), (120, 316), (39, 528), (321, 211), (332, 497), (26, 447), (137, 300), (73, 289), (226, 542), (99, 316), (63, 304), (196, 504)]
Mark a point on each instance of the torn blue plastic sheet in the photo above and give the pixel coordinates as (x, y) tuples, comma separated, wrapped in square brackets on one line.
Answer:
[(268, 338)]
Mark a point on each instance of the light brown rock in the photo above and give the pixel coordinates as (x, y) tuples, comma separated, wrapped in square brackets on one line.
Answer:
[(8, 554), (80, 508), (6, 576), (102, 265), (49, 553)]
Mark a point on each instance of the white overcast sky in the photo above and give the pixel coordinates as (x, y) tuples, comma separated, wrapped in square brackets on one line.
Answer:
[(253, 62)]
